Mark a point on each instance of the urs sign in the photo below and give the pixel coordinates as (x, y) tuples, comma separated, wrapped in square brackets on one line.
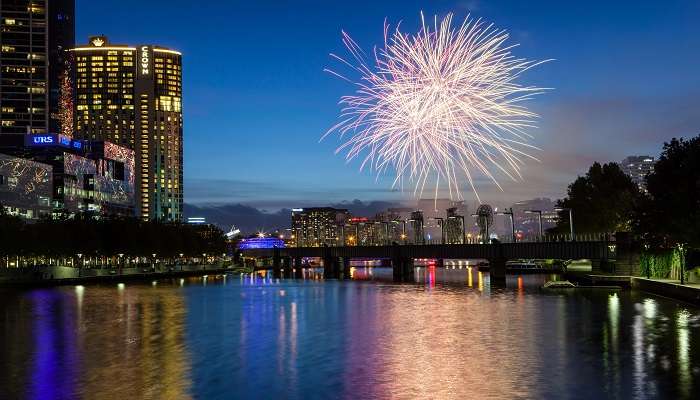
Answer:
[(43, 139)]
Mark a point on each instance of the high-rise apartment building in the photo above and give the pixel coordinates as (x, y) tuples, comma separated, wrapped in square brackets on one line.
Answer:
[(34, 37), (637, 168), (132, 96), (454, 226), (318, 226)]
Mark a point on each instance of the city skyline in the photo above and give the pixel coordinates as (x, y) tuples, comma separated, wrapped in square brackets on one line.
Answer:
[(270, 61)]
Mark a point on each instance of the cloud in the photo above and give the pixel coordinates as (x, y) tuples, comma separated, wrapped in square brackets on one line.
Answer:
[(250, 219), (468, 5), (617, 126), (575, 131), (283, 193)]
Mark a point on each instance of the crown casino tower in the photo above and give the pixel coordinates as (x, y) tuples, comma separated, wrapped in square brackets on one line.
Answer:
[(132, 96)]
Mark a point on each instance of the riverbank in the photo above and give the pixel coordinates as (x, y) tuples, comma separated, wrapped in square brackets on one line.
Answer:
[(668, 288), (688, 292), (56, 275)]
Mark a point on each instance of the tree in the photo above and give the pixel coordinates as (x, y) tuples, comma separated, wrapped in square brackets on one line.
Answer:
[(11, 234), (602, 201), (670, 214)]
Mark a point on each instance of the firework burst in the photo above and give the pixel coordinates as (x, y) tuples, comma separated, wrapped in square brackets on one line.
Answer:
[(442, 105)]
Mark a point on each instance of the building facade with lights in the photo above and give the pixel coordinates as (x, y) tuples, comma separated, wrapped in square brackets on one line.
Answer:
[(25, 187), (454, 226), (318, 226), (35, 36), (132, 96), (637, 168), (53, 173)]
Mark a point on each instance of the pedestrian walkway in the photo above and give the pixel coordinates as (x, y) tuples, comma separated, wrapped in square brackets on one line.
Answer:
[(676, 282), (668, 288)]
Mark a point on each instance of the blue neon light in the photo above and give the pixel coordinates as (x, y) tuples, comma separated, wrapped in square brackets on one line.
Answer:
[(43, 139), (261, 243)]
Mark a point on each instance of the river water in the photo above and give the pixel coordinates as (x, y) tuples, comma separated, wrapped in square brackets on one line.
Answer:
[(450, 335)]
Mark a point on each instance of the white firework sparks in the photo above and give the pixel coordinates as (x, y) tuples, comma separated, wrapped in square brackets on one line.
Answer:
[(440, 105)]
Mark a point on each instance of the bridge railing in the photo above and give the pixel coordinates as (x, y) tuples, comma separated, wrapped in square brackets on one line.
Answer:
[(583, 237)]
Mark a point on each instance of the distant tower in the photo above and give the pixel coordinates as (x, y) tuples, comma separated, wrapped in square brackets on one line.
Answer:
[(417, 227), (637, 168), (454, 226)]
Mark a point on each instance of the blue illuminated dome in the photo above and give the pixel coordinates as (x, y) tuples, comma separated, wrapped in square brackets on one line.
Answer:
[(261, 243)]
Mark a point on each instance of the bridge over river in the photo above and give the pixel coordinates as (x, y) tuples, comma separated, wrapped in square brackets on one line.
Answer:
[(622, 254)]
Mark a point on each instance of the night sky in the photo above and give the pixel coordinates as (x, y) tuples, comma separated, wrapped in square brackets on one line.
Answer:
[(256, 100)]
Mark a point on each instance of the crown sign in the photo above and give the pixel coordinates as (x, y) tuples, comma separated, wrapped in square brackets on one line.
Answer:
[(98, 42)]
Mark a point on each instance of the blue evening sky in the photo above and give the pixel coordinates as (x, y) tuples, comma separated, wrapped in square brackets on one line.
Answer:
[(256, 100)]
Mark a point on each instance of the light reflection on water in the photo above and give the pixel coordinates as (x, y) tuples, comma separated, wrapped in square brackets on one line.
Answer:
[(452, 334)]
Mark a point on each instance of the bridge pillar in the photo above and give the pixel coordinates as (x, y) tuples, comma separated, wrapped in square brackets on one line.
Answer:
[(331, 267), (346, 267), (497, 271), (403, 269), (277, 265), (287, 267), (298, 273), (396, 268), (408, 271)]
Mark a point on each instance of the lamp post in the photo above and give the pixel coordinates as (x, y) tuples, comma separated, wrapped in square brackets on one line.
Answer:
[(571, 219), (512, 220), (486, 230), (441, 222), (403, 229), (539, 219), (386, 230), (119, 263)]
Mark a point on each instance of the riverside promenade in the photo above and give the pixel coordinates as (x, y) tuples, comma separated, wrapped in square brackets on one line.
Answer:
[(688, 292), (57, 275)]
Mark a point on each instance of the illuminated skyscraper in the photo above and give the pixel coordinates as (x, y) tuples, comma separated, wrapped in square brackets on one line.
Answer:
[(132, 96), (35, 36), (318, 226), (637, 168)]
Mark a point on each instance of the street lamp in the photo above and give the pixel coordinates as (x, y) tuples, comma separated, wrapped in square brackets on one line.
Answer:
[(120, 262), (486, 227), (441, 222), (403, 229), (386, 228), (421, 227), (571, 219), (512, 221), (539, 218)]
